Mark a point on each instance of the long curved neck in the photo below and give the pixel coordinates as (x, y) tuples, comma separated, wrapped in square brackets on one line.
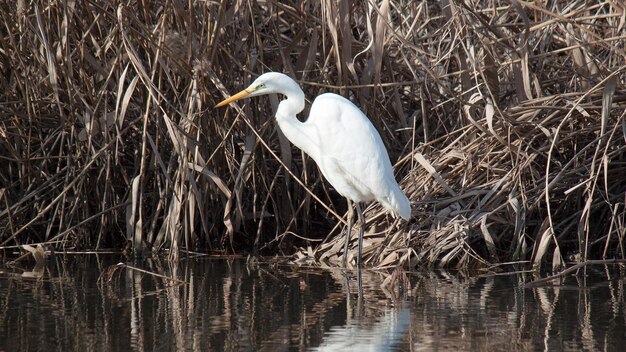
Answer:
[(294, 102), (295, 131)]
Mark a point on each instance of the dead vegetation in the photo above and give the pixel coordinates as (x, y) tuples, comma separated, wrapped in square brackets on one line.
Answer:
[(507, 120)]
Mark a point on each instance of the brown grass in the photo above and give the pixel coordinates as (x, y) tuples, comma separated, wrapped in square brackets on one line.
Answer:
[(506, 118)]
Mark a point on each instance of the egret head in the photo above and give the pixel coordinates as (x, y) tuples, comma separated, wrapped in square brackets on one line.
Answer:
[(267, 83)]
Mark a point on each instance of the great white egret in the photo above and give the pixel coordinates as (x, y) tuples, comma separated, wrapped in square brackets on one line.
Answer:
[(342, 141)]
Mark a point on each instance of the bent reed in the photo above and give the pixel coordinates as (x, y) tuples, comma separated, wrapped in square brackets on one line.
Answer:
[(506, 119)]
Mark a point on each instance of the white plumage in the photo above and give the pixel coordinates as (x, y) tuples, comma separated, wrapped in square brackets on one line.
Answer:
[(342, 141)]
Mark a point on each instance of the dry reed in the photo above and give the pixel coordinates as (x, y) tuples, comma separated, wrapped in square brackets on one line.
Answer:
[(506, 118)]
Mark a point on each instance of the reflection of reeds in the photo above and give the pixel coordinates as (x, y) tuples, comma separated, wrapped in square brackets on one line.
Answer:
[(228, 306), (490, 313), (507, 122)]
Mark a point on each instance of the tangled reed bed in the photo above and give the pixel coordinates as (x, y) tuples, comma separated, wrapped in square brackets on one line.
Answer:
[(506, 119)]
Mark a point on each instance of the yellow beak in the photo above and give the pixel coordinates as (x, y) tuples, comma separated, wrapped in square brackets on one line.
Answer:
[(244, 93)]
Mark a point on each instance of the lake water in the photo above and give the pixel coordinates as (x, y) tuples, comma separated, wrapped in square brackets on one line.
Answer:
[(228, 305)]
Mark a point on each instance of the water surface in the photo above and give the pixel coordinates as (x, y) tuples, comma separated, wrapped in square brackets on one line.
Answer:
[(227, 305)]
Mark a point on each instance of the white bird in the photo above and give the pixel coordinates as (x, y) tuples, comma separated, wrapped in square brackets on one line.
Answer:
[(342, 141), (386, 334)]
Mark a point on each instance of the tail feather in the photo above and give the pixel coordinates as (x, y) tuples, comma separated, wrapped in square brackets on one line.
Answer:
[(398, 202)]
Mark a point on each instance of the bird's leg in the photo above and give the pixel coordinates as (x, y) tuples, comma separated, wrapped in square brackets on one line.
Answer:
[(361, 228), (348, 232), (359, 299)]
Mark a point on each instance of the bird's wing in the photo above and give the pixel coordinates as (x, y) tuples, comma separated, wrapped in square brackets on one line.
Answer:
[(350, 151)]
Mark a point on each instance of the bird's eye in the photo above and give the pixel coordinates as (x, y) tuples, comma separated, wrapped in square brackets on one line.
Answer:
[(260, 86)]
